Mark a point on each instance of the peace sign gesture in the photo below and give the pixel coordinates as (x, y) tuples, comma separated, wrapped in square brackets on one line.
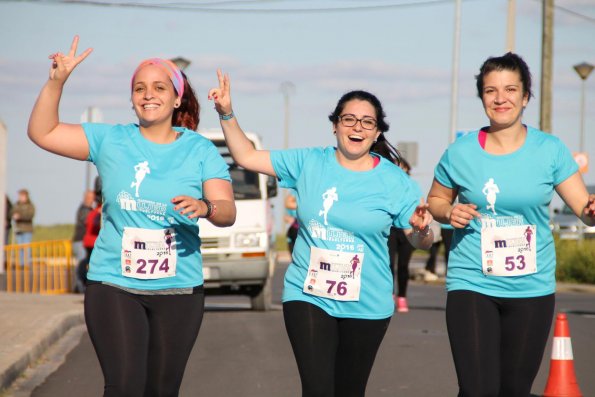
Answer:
[(63, 65), (221, 96)]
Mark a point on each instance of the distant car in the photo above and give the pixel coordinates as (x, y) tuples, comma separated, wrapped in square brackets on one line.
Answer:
[(567, 225)]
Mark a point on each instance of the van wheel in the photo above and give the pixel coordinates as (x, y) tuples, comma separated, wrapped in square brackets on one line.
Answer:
[(263, 300)]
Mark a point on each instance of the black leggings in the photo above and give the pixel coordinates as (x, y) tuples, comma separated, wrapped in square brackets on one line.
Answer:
[(142, 341), (334, 355), (497, 343), (401, 250)]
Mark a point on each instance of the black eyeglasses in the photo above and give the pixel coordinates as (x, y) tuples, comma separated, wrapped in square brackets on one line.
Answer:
[(349, 120)]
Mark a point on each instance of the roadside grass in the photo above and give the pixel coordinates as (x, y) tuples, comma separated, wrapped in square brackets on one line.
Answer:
[(576, 261)]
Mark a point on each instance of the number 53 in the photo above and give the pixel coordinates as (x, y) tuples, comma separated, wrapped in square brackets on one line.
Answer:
[(511, 264)]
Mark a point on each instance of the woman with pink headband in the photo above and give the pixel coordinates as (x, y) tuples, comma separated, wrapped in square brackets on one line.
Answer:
[(144, 300)]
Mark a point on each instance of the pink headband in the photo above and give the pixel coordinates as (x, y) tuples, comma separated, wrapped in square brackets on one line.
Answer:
[(174, 73)]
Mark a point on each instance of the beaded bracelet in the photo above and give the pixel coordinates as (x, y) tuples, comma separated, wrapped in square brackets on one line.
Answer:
[(228, 116), (210, 206)]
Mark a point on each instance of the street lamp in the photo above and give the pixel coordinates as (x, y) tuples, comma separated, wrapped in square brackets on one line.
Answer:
[(181, 63), (584, 70)]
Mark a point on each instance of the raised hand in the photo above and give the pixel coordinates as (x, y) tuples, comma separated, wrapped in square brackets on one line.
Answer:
[(421, 217), (221, 96), (462, 214), (63, 65)]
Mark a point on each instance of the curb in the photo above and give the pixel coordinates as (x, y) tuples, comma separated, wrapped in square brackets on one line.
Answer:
[(578, 288), (52, 333)]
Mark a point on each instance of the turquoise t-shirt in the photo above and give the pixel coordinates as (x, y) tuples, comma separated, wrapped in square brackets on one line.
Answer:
[(139, 179), (525, 181), (357, 219)]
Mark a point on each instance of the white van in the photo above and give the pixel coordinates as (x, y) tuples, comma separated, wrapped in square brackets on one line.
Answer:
[(241, 259)]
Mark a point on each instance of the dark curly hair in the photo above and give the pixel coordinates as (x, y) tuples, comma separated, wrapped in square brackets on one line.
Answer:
[(188, 113), (509, 61)]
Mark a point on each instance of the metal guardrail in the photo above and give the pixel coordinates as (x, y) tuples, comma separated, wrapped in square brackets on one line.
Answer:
[(44, 267)]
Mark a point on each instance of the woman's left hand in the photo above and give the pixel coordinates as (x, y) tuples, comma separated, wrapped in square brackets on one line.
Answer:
[(189, 205), (421, 218), (589, 210), (64, 64)]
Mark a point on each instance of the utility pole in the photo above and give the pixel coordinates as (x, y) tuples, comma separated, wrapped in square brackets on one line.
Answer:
[(547, 40), (454, 88), (287, 88), (510, 26), (3, 140), (91, 115)]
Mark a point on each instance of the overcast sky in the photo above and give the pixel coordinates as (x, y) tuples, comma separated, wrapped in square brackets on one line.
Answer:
[(401, 50)]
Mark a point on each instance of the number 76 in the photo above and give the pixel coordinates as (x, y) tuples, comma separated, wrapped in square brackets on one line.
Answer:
[(341, 287)]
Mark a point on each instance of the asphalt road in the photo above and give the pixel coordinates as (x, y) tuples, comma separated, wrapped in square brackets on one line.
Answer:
[(245, 353)]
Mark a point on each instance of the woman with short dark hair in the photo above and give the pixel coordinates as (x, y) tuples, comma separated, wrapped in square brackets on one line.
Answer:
[(501, 268)]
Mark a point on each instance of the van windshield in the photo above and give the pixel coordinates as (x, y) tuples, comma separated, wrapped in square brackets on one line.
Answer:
[(245, 183)]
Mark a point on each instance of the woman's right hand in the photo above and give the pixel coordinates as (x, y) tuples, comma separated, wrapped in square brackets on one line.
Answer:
[(461, 214), (221, 96), (63, 65)]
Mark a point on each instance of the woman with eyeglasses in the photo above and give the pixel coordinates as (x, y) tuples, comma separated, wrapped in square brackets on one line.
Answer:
[(337, 299), (501, 277)]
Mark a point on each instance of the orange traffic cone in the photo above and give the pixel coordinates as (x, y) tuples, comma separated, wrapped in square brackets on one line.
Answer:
[(562, 380)]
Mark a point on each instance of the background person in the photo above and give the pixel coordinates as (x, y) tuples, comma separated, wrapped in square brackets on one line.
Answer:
[(82, 212), (143, 307), (291, 220), (92, 229), (337, 298), (22, 213), (8, 219), (500, 299), (400, 250), (430, 269)]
